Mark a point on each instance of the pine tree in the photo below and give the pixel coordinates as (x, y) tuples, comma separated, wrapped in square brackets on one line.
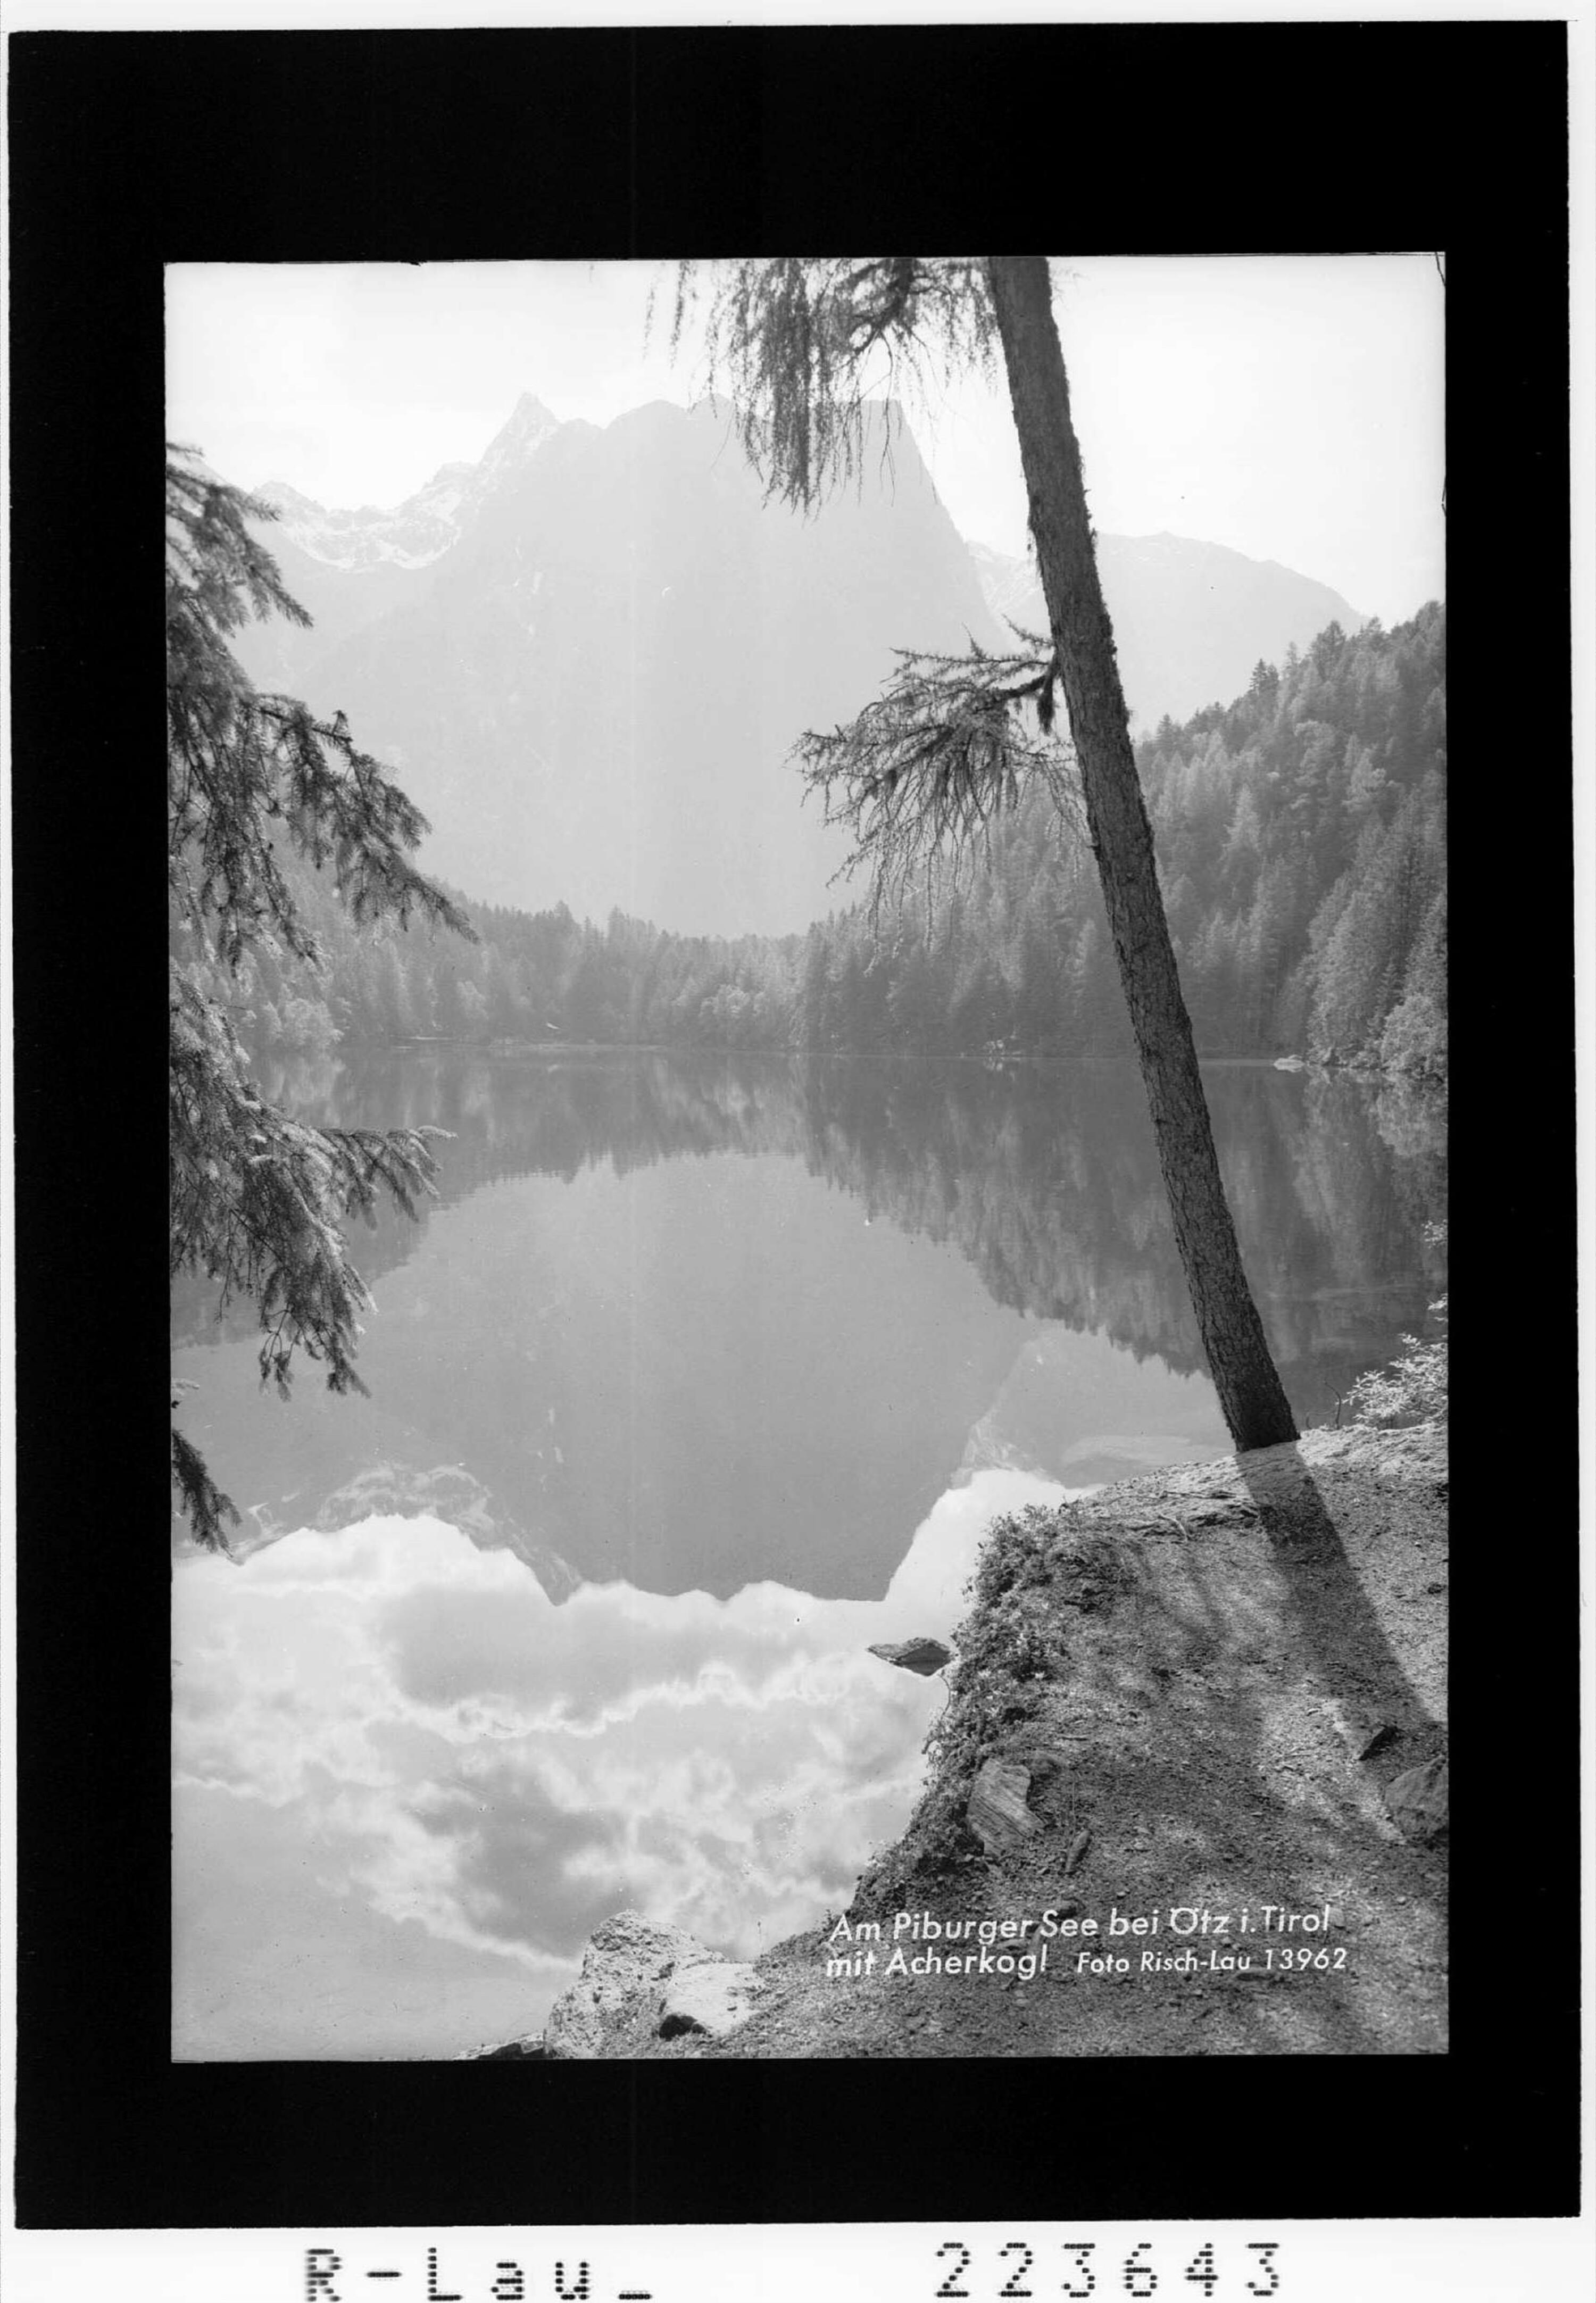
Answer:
[(256, 1199), (948, 746)]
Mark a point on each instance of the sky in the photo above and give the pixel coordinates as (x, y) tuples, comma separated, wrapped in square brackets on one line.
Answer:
[(1290, 407)]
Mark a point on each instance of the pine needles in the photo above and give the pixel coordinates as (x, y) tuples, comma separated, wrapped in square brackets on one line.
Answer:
[(243, 768), (807, 347), (920, 776), (257, 1200), (794, 339)]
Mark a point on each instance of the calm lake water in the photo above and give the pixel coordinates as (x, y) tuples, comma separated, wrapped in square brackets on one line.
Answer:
[(699, 1376)]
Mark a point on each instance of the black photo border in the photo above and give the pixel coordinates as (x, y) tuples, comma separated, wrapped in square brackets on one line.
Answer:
[(131, 150)]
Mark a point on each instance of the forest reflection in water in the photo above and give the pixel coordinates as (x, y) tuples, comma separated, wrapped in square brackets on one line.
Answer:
[(572, 1612)]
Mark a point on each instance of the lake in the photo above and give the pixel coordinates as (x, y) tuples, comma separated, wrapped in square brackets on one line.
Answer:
[(699, 1376)]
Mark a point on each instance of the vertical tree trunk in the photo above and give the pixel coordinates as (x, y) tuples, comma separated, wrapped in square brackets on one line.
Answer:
[(1250, 1393)]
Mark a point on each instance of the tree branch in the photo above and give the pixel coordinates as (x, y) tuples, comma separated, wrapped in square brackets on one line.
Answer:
[(922, 770)]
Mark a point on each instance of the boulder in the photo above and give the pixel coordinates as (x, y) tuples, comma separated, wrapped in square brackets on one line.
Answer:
[(1418, 1802), (924, 1656), (614, 2002), (997, 1812), (715, 1997)]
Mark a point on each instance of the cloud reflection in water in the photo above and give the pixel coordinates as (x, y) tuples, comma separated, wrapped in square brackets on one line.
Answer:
[(386, 1730)]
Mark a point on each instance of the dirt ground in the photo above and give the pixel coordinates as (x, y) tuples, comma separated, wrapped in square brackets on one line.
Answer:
[(1208, 1679)]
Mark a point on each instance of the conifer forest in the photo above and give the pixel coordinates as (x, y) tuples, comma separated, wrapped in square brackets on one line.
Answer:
[(1301, 841)]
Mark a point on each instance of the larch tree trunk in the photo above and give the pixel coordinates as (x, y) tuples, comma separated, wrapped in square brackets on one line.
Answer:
[(1250, 1393)]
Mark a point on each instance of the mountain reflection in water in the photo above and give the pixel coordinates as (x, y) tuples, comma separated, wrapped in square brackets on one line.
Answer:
[(572, 1612)]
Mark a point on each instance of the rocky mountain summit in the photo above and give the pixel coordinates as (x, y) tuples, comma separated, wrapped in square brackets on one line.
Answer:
[(422, 528), (587, 656), (593, 692)]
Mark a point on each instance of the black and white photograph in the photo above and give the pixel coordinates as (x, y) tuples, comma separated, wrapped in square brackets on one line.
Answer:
[(809, 1166), (732, 1282)]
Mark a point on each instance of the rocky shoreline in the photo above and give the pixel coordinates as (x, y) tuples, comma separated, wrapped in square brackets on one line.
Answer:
[(1188, 1796)]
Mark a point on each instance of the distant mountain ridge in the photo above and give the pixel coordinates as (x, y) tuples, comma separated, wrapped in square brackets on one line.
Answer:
[(422, 528), (586, 657), (1190, 619), (593, 690)]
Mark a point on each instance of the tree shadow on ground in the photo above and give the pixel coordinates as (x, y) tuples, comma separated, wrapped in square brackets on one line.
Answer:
[(1336, 1618), (1215, 1700)]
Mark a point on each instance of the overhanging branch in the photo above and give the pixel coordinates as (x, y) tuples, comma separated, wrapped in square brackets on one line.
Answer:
[(951, 743)]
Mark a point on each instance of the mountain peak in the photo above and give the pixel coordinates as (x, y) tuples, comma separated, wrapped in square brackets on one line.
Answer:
[(529, 426), (423, 527)]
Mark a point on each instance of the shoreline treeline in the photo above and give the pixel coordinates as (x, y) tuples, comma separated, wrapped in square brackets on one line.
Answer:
[(1301, 838)]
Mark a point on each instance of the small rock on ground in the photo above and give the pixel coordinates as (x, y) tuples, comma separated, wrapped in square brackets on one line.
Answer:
[(997, 1812), (1419, 1801)]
